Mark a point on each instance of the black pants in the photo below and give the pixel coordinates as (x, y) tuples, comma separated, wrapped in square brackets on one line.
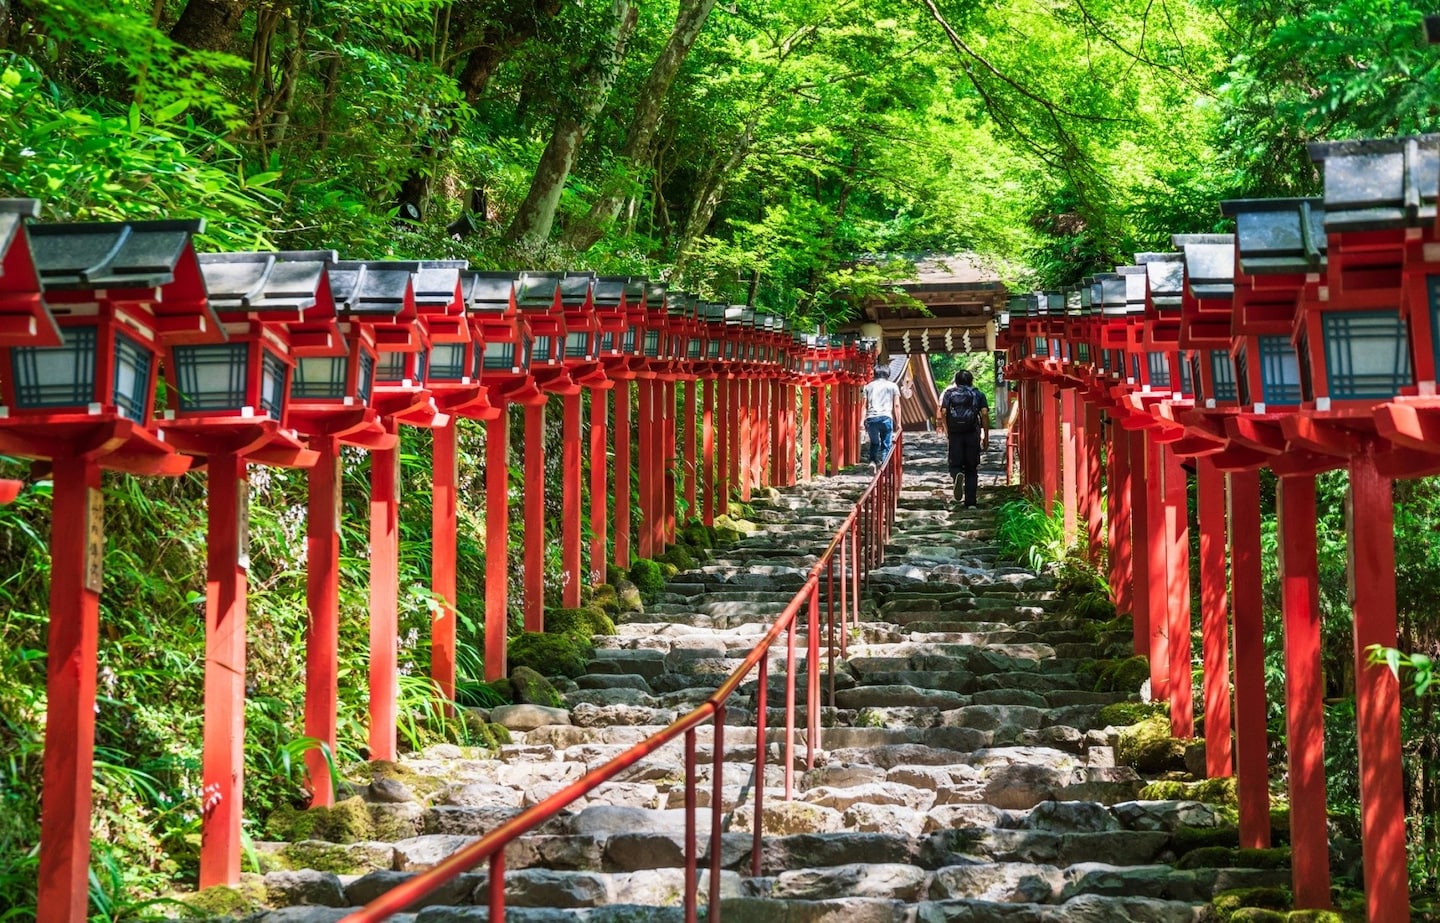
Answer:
[(964, 457)]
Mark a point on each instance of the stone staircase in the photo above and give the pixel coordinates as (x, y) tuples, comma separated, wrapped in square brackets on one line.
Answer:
[(966, 773)]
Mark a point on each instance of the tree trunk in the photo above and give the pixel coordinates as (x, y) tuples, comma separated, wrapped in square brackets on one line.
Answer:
[(536, 215), (498, 39), (639, 136), (208, 25), (712, 190)]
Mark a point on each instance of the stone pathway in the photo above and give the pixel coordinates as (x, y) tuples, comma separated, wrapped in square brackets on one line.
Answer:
[(967, 773)]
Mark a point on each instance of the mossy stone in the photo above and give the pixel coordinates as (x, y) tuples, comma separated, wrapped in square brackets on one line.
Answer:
[(500, 734), (533, 689), (613, 575), (323, 857), (1124, 675), (227, 900), (647, 577), (1324, 916), (1120, 714), (736, 523), (631, 599), (349, 822), (1229, 903), (549, 654), (606, 599), (504, 689), (1206, 857), (668, 571), (1210, 791), (1188, 839), (697, 536), (1148, 747), (1257, 915), (677, 556), (727, 536)]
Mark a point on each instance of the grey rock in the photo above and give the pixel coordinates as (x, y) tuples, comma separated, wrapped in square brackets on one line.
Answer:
[(422, 852), (305, 888), (885, 880), (1005, 882), (547, 888), (385, 790), (528, 717), (1071, 817), (605, 821), (366, 888)]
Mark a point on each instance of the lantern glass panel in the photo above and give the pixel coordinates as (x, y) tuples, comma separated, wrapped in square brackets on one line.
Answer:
[(577, 345), (447, 361), (729, 349), (1435, 317), (607, 341), (1042, 346), (319, 377), (366, 382), (1242, 376), (630, 336), (1187, 377), (1279, 370), (1367, 354), (1082, 351), (499, 356), (1135, 366), (652, 344), (695, 349), (1191, 381), (212, 377), (543, 349), (57, 376), (272, 384), (712, 349), (393, 366), (1222, 372), (133, 363), (1159, 366)]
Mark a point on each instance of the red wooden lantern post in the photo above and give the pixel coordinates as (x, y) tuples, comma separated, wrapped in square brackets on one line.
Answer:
[(710, 371), (452, 376), (540, 303), (505, 373), (23, 315), (612, 297), (78, 390), (228, 405), (1362, 359), (655, 348)]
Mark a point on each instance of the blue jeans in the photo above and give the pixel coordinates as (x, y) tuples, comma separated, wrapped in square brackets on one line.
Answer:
[(881, 431)]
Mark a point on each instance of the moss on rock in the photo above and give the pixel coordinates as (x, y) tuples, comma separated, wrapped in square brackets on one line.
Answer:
[(1120, 714), (1210, 791), (325, 857), (585, 622), (1188, 839), (1229, 903), (696, 535), (679, 557), (1148, 747), (607, 599), (549, 654), (533, 689), (647, 577), (227, 900), (1123, 675), (347, 822)]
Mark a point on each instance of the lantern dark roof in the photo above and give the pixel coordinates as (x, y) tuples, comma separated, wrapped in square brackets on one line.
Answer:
[(611, 291), (1375, 185), (383, 288), (135, 254), (1136, 287), (713, 311), (437, 284), (537, 289), (1166, 274), (677, 303), (1209, 263), (1111, 288), (13, 213), (1085, 291), (1052, 303), (1278, 236), (289, 280), (654, 293), (492, 291), (577, 289)]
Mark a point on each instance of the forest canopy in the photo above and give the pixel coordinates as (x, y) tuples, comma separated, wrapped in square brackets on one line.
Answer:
[(749, 151)]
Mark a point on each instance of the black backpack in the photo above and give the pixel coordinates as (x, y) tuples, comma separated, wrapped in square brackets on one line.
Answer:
[(961, 413)]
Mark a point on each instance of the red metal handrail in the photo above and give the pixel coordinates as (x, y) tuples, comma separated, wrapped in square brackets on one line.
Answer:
[(858, 545)]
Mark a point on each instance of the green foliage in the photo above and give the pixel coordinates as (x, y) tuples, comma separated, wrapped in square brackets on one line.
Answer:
[(1025, 533), (550, 654)]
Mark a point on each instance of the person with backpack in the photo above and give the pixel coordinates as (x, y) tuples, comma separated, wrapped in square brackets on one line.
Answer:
[(881, 396), (965, 417)]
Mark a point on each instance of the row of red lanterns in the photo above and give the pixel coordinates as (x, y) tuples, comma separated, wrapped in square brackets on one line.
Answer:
[(1306, 341), (280, 358)]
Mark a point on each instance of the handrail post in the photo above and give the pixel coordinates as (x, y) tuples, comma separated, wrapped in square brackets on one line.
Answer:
[(497, 885), (790, 709), (717, 810), (762, 704), (854, 579), (692, 897), (830, 617), (812, 676)]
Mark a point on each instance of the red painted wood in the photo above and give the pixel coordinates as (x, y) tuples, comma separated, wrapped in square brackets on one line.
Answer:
[(572, 462), (1094, 510), (71, 662), (322, 593), (722, 448), (771, 417), (1177, 572), (671, 486), (1117, 521), (644, 457), (1069, 458), (747, 438), (707, 451), (1304, 693), (1139, 530), (691, 465), (806, 418), (822, 422), (1157, 547), (835, 460), (1248, 607), (1371, 517), (442, 558), (624, 414), (534, 553), (1214, 618), (384, 597), (599, 482), (223, 762), (1049, 446), (497, 539)]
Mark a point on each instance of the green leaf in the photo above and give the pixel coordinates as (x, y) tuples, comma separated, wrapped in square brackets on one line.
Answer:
[(171, 112)]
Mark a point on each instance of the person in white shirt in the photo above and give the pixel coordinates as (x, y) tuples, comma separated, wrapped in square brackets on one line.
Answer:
[(881, 396)]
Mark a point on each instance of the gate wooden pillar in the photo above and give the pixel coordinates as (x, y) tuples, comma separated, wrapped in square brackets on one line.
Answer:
[(1251, 745), (1069, 457), (1140, 556), (624, 415), (1095, 511), (572, 466), (1214, 618), (1177, 542), (322, 635), (599, 480), (535, 543), (707, 440), (724, 421), (384, 595)]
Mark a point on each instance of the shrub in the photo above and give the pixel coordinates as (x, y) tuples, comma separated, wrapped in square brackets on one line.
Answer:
[(550, 654)]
